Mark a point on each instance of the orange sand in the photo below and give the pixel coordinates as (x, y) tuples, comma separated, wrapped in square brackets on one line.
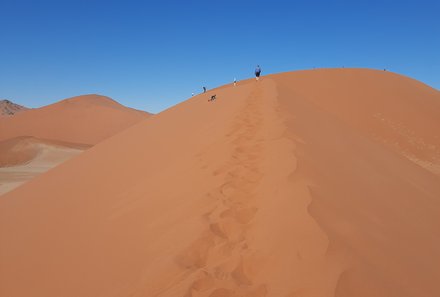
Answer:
[(312, 183), (84, 119), (37, 140), (23, 158)]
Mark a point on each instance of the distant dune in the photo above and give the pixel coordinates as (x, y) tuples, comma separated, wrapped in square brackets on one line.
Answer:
[(86, 119), (303, 184), (56, 133), (21, 150), (24, 158), (8, 108)]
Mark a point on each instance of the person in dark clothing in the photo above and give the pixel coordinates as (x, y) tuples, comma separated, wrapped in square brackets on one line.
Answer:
[(257, 72), (204, 89)]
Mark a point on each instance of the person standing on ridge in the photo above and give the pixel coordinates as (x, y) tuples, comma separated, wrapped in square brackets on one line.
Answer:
[(204, 89), (235, 82), (257, 72)]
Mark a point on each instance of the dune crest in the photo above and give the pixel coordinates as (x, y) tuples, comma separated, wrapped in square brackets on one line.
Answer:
[(289, 186)]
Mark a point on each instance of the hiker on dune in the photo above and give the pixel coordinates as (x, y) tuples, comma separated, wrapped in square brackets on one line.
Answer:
[(257, 72)]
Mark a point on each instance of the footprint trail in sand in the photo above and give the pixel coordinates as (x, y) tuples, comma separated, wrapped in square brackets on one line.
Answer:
[(230, 258)]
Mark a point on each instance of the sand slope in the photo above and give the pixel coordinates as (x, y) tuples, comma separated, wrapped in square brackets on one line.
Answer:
[(84, 119), (56, 132), (285, 187), (23, 158)]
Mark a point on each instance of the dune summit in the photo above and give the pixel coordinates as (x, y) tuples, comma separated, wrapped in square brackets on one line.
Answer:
[(86, 119), (310, 183)]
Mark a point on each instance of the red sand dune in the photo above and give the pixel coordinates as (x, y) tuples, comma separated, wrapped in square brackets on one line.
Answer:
[(8, 108), (84, 119), (311, 183), (35, 141)]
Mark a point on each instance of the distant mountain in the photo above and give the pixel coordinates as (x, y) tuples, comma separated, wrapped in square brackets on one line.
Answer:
[(8, 108)]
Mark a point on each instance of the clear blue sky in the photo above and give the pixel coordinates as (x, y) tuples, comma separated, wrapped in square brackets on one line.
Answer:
[(153, 54)]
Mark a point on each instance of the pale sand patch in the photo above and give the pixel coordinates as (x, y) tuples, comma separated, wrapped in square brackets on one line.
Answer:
[(47, 157)]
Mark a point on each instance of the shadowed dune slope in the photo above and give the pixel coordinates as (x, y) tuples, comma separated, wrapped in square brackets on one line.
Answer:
[(21, 150), (17, 151), (84, 119), (23, 158), (302, 184)]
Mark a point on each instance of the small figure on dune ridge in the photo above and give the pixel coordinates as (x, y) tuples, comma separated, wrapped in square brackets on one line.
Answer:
[(257, 72), (235, 82), (204, 89)]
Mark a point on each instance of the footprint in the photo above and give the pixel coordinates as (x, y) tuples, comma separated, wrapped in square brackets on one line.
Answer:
[(220, 273), (227, 189), (230, 212), (204, 283), (222, 292), (228, 229), (216, 228), (245, 215), (196, 255), (240, 275), (261, 291)]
